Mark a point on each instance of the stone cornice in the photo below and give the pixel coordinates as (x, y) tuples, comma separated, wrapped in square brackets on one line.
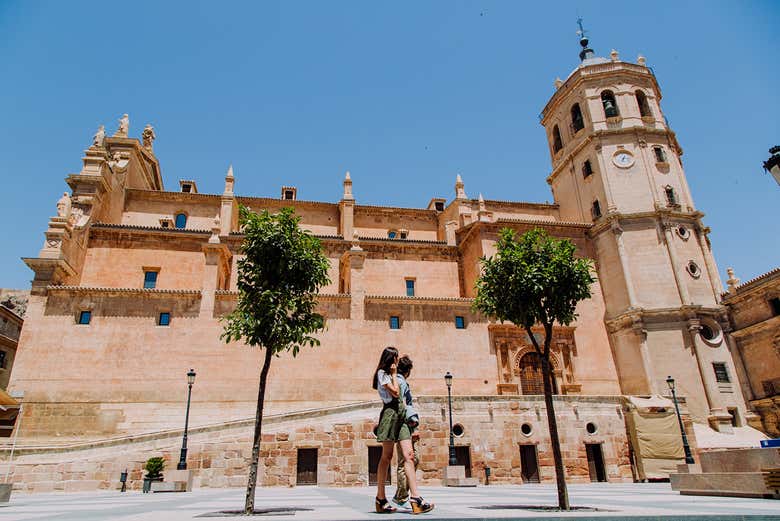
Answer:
[(747, 289), (95, 290), (367, 209), (281, 203), (584, 73), (8, 342), (149, 229), (466, 233), (10, 315), (179, 197), (518, 204), (606, 222), (564, 159), (225, 294), (402, 299), (639, 317), (770, 326)]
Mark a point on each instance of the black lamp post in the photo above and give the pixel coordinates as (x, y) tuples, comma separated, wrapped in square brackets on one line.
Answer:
[(772, 165), (183, 458), (448, 379), (686, 447)]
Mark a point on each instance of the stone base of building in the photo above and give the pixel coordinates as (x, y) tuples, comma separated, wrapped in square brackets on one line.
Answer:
[(337, 447)]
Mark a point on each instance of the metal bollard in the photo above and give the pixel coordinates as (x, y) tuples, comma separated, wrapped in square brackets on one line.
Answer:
[(487, 475), (123, 480)]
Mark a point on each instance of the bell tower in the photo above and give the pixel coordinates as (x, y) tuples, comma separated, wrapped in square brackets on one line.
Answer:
[(617, 164)]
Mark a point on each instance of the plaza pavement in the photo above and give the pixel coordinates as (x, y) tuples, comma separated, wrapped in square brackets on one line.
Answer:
[(638, 502)]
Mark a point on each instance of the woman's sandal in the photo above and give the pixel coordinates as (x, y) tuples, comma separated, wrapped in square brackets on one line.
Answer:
[(383, 506), (419, 506)]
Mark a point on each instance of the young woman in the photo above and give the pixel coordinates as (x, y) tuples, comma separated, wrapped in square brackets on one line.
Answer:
[(394, 429)]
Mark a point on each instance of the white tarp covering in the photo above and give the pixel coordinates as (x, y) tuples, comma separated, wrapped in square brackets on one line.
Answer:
[(743, 437)]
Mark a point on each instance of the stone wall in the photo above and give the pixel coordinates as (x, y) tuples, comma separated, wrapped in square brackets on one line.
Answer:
[(219, 455)]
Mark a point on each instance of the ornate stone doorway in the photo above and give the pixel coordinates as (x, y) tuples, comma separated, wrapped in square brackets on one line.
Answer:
[(519, 365)]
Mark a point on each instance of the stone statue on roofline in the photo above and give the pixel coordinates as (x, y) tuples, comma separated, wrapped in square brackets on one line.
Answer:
[(124, 126), (148, 137), (100, 136), (63, 206)]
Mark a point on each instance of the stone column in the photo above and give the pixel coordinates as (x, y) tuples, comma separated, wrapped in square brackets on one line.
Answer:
[(682, 288), (644, 351), (718, 415)]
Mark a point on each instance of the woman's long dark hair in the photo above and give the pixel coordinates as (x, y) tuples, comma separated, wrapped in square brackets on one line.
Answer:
[(389, 354)]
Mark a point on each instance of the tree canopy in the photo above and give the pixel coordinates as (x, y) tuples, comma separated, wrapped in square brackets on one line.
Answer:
[(278, 281), (536, 279)]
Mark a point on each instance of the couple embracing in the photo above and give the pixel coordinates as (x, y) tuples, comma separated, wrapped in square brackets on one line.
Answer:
[(398, 422)]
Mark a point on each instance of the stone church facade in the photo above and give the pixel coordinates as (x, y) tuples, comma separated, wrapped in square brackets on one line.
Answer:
[(133, 279)]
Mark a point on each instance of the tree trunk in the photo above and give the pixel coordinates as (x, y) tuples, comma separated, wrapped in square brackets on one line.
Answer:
[(560, 476), (249, 505), (552, 422)]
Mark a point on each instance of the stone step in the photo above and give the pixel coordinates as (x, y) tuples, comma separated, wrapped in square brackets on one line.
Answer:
[(739, 460), (739, 484)]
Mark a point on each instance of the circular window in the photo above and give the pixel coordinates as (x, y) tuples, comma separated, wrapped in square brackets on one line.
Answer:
[(457, 430), (683, 232), (693, 269), (591, 428), (526, 429), (710, 332)]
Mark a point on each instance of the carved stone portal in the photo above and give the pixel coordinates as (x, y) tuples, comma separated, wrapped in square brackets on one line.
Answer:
[(519, 365)]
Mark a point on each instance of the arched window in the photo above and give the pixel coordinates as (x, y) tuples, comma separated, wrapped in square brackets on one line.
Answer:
[(609, 103), (181, 220), (671, 198), (644, 106), (557, 142), (577, 123)]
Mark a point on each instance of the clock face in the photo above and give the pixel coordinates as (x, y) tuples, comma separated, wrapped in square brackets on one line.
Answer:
[(623, 159)]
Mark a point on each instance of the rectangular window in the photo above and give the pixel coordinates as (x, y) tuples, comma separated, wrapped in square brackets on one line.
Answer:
[(587, 170), (774, 303), (288, 194), (395, 323), (85, 317), (150, 279), (2, 359), (186, 188), (409, 287), (660, 155), (721, 374), (596, 210), (439, 206), (164, 319), (460, 323)]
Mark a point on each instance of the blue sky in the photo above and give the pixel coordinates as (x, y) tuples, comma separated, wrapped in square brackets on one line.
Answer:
[(403, 94)]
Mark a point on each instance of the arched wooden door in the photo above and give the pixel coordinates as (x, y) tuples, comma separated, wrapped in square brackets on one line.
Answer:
[(531, 378)]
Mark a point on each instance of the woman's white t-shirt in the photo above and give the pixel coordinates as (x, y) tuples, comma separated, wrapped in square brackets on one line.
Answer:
[(383, 378)]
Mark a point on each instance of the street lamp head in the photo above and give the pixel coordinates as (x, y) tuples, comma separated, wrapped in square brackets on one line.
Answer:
[(191, 376), (670, 383), (772, 165), (448, 379)]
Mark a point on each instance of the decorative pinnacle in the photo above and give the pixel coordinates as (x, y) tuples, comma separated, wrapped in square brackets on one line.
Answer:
[(347, 187), (460, 192), (230, 171)]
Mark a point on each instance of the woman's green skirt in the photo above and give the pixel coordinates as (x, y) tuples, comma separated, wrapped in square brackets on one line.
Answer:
[(392, 424)]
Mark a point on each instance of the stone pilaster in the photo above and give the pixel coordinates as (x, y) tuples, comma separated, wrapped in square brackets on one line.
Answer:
[(215, 273), (352, 272), (682, 288)]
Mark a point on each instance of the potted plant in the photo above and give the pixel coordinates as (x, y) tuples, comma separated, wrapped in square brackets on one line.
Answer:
[(154, 467)]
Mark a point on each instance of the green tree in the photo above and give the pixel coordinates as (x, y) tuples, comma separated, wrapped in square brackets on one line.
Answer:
[(536, 280), (278, 281)]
